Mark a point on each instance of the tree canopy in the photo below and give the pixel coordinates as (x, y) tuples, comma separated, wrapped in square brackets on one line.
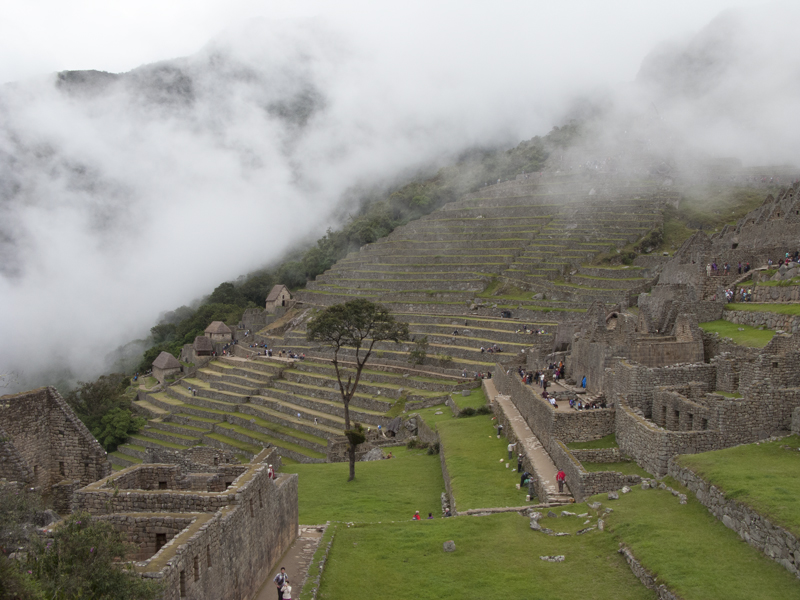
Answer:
[(358, 324)]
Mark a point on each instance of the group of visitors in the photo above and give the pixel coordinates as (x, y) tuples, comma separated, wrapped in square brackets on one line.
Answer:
[(587, 405), (494, 348), (531, 331)]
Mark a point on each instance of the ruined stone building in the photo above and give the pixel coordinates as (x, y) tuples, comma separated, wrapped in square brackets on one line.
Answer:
[(217, 331), (46, 446), (279, 296), (210, 535)]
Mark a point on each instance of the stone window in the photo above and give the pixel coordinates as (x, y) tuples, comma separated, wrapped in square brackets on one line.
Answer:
[(260, 500), (196, 568), (161, 541), (183, 584), (208, 557), (35, 470), (775, 365), (677, 419), (162, 485), (663, 416), (252, 514), (691, 422), (61, 470), (704, 424)]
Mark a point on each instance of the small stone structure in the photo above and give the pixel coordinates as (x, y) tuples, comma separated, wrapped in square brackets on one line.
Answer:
[(165, 365), (45, 445), (219, 332), (216, 543), (279, 296)]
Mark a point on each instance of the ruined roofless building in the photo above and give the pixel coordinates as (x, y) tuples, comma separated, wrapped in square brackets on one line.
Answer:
[(44, 445)]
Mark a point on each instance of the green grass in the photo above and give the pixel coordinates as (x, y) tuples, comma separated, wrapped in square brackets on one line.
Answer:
[(692, 552), (472, 454), (749, 336), (728, 394), (763, 476), (383, 490), (626, 467), (476, 399), (609, 441), (780, 309), (496, 557)]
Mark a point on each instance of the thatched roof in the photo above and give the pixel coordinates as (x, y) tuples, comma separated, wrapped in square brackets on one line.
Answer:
[(203, 344), (218, 327), (275, 292), (165, 360)]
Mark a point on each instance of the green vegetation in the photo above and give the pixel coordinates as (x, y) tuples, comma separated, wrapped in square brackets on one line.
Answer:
[(476, 399), (780, 309), (690, 551), (104, 406), (609, 441), (763, 476), (83, 558), (744, 335), (420, 352), (383, 491), (473, 457), (496, 557)]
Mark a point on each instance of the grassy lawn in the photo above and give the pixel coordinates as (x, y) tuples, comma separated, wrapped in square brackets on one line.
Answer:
[(476, 399), (496, 557), (692, 552), (384, 490), (609, 441), (780, 309), (472, 454), (626, 467), (749, 336), (763, 476)]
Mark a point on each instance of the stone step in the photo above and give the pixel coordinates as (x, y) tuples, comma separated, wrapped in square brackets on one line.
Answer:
[(310, 407), (185, 430), (362, 401), (164, 401), (150, 439), (317, 429), (291, 409), (148, 409), (287, 448)]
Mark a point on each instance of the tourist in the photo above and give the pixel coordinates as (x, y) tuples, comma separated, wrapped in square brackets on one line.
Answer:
[(511, 450), (390, 455), (560, 477), (430, 515), (287, 592), (524, 479), (416, 516), (270, 472), (519, 463), (280, 580)]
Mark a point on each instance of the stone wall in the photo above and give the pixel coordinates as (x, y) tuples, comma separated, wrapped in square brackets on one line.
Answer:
[(229, 555), (636, 383), (646, 577), (547, 423), (12, 466), (200, 459), (796, 421), (50, 439), (652, 447), (775, 293), (788, 323), (101, 497), (599, 455), (143, 530), (583, 483), (773, 540)]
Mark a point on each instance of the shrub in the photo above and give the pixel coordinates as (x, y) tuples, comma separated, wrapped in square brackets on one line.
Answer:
[(433, 448), (483, 410), (420, 352), (467, 412)]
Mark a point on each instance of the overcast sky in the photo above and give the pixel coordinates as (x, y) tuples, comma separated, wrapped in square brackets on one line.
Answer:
[(602, 39), (116, 208)]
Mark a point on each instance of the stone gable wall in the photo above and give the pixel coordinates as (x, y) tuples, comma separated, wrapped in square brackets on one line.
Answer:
[(50, 439)]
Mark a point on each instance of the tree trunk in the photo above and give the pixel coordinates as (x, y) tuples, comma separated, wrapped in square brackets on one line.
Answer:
[(351, 451)]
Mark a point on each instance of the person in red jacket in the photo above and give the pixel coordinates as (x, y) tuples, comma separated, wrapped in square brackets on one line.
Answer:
[(560, 477), (416, 516)]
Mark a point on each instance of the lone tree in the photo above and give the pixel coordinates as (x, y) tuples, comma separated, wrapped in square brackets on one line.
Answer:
[(357, 324)]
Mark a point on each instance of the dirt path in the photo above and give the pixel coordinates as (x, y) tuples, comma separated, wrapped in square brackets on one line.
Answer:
[(542, 464)]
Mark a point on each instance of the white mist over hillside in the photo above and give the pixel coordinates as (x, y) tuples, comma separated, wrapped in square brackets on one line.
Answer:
[(122, 196)]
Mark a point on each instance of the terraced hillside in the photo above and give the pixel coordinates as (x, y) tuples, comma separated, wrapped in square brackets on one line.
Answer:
[(538, 236), (244, 404), (447, 275)]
